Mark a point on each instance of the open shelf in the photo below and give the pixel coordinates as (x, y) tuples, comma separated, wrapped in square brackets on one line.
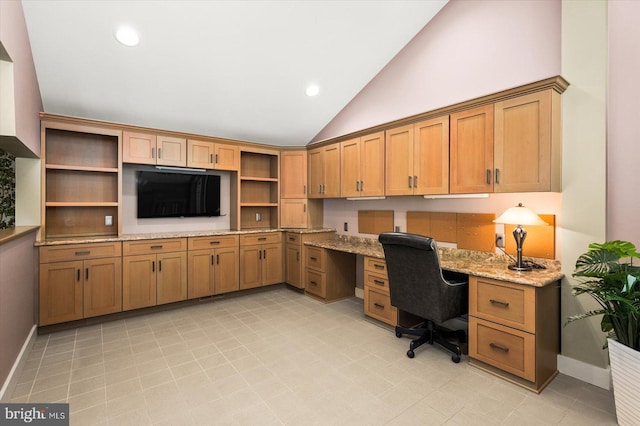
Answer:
[(83, 169), (259, 190)]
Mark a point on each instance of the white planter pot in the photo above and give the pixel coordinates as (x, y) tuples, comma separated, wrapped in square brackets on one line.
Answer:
[(625, 371)]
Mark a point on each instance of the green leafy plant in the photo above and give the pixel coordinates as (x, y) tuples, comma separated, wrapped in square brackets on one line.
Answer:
[(606, 273)]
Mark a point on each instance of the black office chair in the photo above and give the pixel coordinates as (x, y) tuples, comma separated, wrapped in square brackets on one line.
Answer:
[(417, 286)]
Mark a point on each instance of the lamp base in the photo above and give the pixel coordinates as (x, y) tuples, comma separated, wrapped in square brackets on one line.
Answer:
[(519, 268)]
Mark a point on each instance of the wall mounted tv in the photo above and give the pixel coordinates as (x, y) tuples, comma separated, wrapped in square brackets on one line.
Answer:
[(163, 194)]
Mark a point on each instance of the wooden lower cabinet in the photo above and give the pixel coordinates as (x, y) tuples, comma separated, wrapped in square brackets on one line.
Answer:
[(294, 253), (79, 281), (214, 270), (514, 330), (377, 302), (329, 275), (157, 275), (261, 260)]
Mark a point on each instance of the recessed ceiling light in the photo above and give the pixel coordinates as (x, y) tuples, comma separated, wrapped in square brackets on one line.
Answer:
[(313, 90), (127, 36)]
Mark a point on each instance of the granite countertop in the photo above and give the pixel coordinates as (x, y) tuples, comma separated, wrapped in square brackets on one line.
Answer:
[(159, 235), (471, 262)]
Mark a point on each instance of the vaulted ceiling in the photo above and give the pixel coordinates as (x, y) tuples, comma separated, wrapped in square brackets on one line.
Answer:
[(233, 69)]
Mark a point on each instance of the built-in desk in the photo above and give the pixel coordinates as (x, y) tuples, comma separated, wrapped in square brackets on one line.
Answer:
[(514, 317)]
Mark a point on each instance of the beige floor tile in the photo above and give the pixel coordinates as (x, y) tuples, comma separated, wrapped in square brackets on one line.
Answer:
[(42, 384), (131, 402), (93, 416), (88, 399), (118, 390), (56, 394), (87, 385), (156, 378)]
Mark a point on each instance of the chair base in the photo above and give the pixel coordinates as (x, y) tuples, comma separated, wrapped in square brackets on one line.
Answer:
[(428, 332)]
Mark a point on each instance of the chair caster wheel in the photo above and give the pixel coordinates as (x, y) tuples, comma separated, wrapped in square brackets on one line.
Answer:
[(455, 358), (398, 334), (410, 353)]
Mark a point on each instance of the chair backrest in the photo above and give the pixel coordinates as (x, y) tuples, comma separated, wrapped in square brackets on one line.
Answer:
[(416, 283)]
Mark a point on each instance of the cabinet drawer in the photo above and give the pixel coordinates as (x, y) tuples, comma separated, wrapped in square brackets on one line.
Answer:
[(79, 252), (378, 305), (293, 238), (165, 245), (253, 239), (503, 347), (314, 258), (376, 282), (379, 266), (509, 304), (315, 283), (201, 243)]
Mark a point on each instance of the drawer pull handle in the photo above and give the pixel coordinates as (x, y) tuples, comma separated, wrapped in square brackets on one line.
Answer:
[(155, 247), (83, 253), (499, 302), (378, 282), (262, 238), (315, 259), (498, 347), (377, 266), (292, 239), (313, 283), (377, 305), (214, 242)]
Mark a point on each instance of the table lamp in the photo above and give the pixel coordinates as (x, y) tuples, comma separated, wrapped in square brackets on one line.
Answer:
[(519, 215)]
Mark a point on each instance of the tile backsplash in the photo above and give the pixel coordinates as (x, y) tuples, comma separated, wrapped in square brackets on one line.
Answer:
[(7, 190)]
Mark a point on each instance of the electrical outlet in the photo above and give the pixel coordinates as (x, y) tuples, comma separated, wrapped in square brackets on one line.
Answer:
[(397, 229), (346, 226), (108, 221), (500, 240)]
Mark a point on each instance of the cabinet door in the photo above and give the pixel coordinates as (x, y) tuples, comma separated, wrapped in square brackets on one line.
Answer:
[(372, 165), (431, 156), (331, 173), (471, 151), (172, 277), (227, 270), (138, 148), (293, 174), (316, 171), (102, 286), (200, 273), (522, 157), (272, 270), (293, 213), (250, 267), (172, 151), (200, 154), (399, 161), (294, 266), (350, 168), (60, 292), (138, 281), (226, 157)]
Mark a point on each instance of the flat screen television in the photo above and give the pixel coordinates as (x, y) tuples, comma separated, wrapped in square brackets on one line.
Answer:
[(163, 194)]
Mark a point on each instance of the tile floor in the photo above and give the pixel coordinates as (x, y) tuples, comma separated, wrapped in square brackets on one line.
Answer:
[(279, 357)]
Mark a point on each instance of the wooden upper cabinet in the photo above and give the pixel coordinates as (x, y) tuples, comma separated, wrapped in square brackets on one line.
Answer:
[(350, 168), (527, 143), (293, 174), (324, 172), (211, 155), (145, 148), (399, 161), (172, 151), (471, 151), (431, 156), (417, 158), (138, 148), (226, 157)]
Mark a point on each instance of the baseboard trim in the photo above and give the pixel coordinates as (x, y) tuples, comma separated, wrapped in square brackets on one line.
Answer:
[(10, 384), (592, 374)]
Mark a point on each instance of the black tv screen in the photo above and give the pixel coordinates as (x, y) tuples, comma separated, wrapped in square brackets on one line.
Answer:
[(177, 194)]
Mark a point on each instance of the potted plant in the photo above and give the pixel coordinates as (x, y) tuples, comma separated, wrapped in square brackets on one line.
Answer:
[(606, 272)]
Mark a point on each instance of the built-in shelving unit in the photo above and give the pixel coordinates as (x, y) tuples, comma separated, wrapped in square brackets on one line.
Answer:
[(81, 180), (259, 190)]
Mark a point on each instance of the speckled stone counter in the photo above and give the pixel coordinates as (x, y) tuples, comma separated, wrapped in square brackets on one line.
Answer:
[(482, 264), (158, 235)]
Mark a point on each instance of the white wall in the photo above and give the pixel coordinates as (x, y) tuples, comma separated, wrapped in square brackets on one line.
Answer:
[(132, 225)]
